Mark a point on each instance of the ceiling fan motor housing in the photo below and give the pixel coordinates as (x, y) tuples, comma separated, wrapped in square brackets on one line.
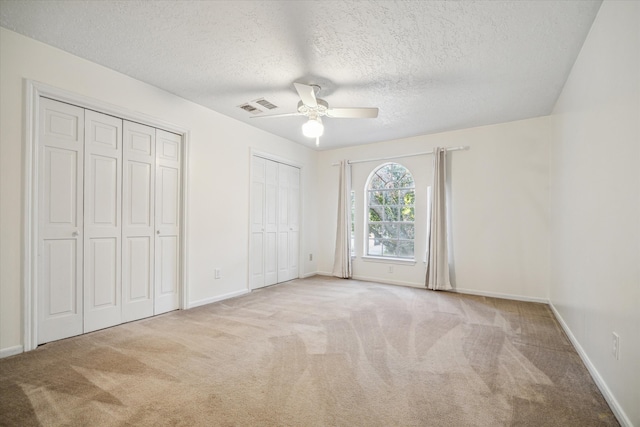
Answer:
[(319, 111)]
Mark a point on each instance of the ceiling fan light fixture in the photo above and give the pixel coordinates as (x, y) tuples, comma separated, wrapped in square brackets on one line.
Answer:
[(313, 128)]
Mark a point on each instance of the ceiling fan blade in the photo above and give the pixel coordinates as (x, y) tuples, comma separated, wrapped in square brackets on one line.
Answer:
[(307, 94), (277, 115), (352, 113)]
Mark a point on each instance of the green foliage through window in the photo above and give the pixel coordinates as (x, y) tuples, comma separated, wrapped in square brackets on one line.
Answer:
[(391, 212)]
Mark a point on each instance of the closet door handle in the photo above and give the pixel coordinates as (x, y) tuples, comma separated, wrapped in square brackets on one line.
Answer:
[(74, 234), (158, 232)]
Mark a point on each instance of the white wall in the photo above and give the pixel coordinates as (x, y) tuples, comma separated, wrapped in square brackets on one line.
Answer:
[(218, 175), (595, 199), (500, 217)]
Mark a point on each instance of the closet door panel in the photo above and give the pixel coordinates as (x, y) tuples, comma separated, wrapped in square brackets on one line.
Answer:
[(61, 188), (60, 297), (138, 217), (168, 207), (271, 259), (102, 224), (139, 274), (60, 222), (167, 222), (103, 194), (101, 271), (168, 271), (283, 256)]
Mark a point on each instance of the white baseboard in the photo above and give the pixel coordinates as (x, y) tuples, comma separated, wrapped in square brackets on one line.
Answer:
[(500, 295), (304, 276), (622, 417), (387, 282), (206, 301), (458, 290), (11, 351)]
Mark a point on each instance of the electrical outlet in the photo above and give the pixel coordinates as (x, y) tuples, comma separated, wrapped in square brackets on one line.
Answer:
[(216, 272), (615, 347), (391, 269), (310, 257)]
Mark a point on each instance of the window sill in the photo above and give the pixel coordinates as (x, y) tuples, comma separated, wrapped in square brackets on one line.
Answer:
[(388, 260)]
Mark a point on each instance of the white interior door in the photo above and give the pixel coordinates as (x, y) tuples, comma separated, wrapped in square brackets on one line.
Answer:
[(275, 217), (294, 221), (283, 223), (60, 222), (138, 218), (288, 221), (256, 267), (102, 221), (271, 223), (167, 222), (264, 223)]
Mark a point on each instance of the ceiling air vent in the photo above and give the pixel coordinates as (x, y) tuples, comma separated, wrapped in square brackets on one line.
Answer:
[(250, 108), (266, 104)]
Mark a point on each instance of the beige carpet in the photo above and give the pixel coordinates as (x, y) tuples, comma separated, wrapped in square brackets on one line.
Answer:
[(313, 352)]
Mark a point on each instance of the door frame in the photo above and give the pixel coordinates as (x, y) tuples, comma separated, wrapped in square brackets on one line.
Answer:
[(33, 91), (268, 156)]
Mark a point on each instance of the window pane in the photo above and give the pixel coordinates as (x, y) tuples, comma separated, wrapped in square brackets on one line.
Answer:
[(376, 182), (376, 213), (407, 214), (409, 197), (383, 230), (406, 231), (391, 213), (376, 230), (404, 249), (392, 197), (374, 247), (389, 248), (376, 198), (389, 231)]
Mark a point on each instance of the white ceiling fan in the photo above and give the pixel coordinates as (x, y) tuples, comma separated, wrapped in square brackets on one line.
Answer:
[(315, 108)]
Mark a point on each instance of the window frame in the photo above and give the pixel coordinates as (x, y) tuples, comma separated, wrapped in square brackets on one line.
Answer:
[(383, 209)]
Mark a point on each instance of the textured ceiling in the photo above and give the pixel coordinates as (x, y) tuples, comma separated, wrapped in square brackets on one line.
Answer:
[(430, 66)]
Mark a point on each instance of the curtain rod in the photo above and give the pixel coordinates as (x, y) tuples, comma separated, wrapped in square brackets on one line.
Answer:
[(351, 162)]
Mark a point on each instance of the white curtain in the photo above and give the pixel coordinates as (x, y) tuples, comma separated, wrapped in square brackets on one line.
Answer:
[(437, 242), (342, 260)]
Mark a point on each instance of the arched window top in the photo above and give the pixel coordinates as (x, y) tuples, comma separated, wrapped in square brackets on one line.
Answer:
[(391, 175)]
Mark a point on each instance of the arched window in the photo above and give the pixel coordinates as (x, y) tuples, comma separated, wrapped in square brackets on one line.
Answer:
[(390, 215)]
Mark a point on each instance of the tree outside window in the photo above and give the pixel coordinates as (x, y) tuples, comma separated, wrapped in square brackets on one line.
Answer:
[(391, 212)]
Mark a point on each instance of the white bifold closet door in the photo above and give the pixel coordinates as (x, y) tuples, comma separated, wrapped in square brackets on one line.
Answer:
[(167, 222), (61, 220), (109, 221), (138, 221), (257, 228), (151, 221), (275, 202), (288, 222), (102, 225)]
